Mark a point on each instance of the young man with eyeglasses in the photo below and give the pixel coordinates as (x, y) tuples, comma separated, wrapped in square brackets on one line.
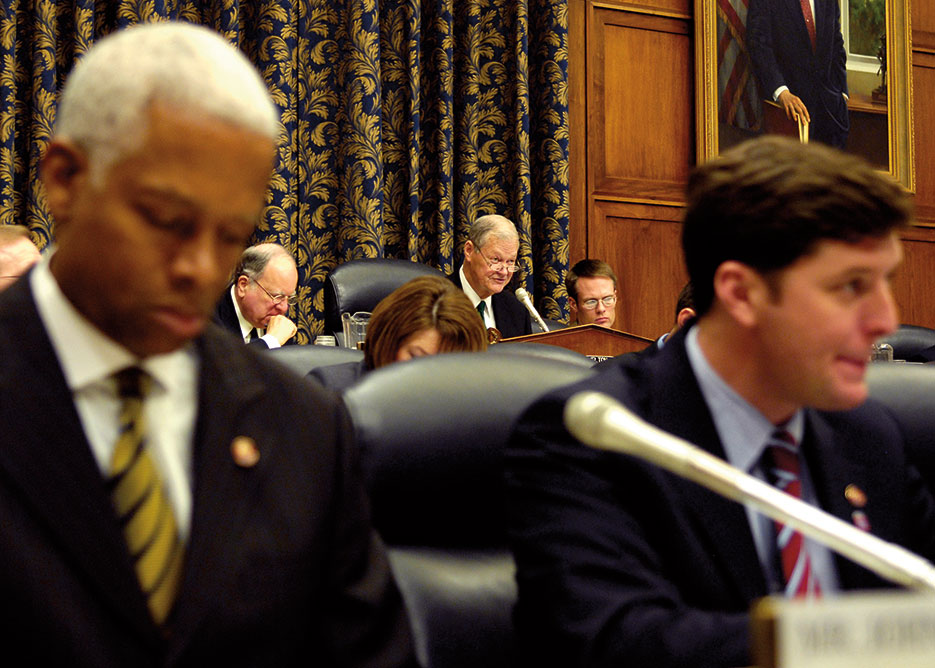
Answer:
[(489, 264), (592, 293), (255, 306)]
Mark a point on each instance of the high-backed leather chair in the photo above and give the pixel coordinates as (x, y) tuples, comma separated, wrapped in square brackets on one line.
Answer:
[(533, 349), (431, 433), (303, 359), (909, 391), (359, 285), (909, 340)]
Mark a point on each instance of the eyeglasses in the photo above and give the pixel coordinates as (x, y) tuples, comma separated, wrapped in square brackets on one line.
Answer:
[(497, 264), (277, 299), (591, 304)]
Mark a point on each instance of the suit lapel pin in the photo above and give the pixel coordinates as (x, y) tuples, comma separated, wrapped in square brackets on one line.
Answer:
[(855, 496), (245, 452), (860, 520), (858, 499)]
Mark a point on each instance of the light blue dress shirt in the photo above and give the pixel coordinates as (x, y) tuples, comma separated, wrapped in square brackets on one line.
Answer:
[(744, 433)]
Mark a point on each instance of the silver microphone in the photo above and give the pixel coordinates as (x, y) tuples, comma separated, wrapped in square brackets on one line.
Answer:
[(523, 297), (602, 422)]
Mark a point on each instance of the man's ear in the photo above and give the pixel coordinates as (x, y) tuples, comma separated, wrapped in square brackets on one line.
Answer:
[(64, 171), (572, 310), (740, 290), (684, 316), (241, 284)]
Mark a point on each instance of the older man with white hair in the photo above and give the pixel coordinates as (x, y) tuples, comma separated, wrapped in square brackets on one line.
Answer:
[(167, 496), (489, 263)]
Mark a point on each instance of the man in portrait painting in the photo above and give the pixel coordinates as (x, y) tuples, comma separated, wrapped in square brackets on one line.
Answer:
[(799, 60)]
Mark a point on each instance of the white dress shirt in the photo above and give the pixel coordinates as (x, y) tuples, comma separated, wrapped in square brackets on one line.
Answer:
[(489, 320), (89, 359), (246, 327)]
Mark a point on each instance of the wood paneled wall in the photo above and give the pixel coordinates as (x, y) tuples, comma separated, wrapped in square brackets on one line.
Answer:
[(631, 82)]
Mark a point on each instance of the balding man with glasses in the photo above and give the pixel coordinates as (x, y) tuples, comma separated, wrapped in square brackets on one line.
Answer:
[(489, 264), (256, 304)]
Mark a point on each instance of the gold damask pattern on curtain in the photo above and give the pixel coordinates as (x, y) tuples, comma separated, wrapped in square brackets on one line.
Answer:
[(402, 121)]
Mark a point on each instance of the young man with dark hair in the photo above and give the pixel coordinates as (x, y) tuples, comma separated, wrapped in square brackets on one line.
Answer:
[(592, 293), (790, 249)]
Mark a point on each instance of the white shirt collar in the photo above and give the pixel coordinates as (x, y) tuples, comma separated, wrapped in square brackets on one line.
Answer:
[(87, 355), (245, 325), (469, 291)]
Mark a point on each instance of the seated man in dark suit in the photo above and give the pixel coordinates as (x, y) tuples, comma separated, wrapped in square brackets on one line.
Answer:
[(255, 305), (169, 497), (489, 262), (790, 249)]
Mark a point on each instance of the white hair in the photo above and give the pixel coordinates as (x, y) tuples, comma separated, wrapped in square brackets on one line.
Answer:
[(106, 98), (492, 225)]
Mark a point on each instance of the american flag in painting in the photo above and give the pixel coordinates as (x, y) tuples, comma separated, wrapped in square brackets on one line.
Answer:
[(739, 100)]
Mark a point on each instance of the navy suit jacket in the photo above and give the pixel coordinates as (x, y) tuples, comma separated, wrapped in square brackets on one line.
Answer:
[(512, 317), (282, 567), (621, 563), (782, 54), (226, 316)]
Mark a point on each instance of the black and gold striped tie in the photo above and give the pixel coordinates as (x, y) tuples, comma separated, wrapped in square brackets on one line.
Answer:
[(140, 501)]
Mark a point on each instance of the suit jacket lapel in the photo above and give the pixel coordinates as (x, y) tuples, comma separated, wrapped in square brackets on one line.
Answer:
[(721, 523), (49, 460), (831, 473), (228, 390)]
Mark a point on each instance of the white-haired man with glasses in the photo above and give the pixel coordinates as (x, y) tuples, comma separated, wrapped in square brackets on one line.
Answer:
[(263, 289), (489, 264), (592, 293)]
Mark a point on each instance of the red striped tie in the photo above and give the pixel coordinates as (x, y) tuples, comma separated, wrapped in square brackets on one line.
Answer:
[(783, 472)]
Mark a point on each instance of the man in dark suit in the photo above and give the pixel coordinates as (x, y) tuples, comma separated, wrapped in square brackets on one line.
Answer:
[(489, 263), (248, 542), (622, 563), (255, 305), (799, 61)]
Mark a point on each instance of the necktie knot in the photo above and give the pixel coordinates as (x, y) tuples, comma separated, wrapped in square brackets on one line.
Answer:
[(481, 309), (132, 383), (781, 459), (781, 462)]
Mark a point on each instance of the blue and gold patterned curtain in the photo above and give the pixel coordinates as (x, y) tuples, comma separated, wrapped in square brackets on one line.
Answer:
[(404, 121)]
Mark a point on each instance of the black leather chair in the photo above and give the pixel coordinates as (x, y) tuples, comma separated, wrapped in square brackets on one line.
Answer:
[(909, 391), (359, 285), (542, 350), (303, 359), (551, 324), (431, 433), (909, 340)]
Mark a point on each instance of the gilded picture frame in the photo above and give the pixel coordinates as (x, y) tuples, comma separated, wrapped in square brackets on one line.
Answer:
[(899, 122)]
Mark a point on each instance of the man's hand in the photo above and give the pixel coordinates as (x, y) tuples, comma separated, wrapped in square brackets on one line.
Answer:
[(793, 106), (282, 328)]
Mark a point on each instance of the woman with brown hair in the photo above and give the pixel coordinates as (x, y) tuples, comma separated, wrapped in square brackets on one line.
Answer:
[(425, 316)]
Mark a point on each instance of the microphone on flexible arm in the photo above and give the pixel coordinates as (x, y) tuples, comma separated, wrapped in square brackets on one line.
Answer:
[(523, 296), (602, 422)]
